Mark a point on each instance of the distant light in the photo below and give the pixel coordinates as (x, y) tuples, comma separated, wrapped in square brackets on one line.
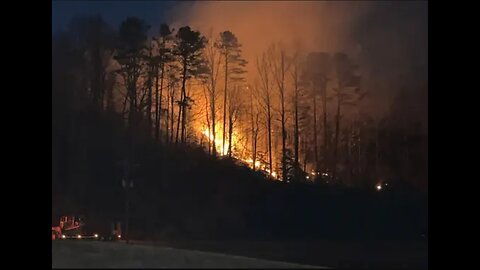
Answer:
[(119, 236), (308, 177), (79, 236), (379, 187), (95, 235), (63, 236), (274, 174)]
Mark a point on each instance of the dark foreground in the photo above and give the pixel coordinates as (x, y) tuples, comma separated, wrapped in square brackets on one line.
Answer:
[(85, 254), (270, 254), (337, 254)]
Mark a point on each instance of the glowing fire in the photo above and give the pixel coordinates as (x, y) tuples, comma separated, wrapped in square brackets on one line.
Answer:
[(218, 142), (250, 161), (222, 151)]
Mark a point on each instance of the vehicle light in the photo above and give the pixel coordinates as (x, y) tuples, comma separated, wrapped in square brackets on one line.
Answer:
[(79, 236), (63, 236), (95, 235)]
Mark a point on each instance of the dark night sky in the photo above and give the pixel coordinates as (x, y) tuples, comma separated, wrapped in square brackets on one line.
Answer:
[(114, 12)]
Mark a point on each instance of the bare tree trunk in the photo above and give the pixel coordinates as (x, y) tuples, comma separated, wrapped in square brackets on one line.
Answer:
[(284, 131), (230, 133), (215, 67), (149, 94), (254, 152), (325, 127), (214, 60), (172, 114), (337, 131), (181, 109), (159, 106), (263, 72), (178, 119), (167, 116), (269, 127), (296, 125), (232, 110), (157, 112), (315, 137), (254, 137), (212, 107), (132, 106), (209, 143), (207, 118), (225, 102), (184, 119)]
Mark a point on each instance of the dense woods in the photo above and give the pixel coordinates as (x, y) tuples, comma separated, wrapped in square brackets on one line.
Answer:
[(215, 149)]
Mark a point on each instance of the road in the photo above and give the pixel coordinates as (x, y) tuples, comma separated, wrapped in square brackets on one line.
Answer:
[(93, 254)]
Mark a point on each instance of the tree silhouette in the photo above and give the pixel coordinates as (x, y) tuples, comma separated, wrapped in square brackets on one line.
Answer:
[(347, 80), (163, 58), (188, 48), (266, 103), (234, 68), (130, 55), (317, 71), (279, 66), (213, 59), (299, 84)]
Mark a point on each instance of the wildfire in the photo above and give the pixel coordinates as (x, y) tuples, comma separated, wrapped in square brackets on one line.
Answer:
[(222, 151), (250, 161)]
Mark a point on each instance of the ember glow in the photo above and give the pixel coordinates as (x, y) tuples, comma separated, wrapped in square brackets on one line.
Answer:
[(250, 161), (223, 151)]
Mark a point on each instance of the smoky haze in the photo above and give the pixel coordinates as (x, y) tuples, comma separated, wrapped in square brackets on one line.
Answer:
[(387, 39)]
